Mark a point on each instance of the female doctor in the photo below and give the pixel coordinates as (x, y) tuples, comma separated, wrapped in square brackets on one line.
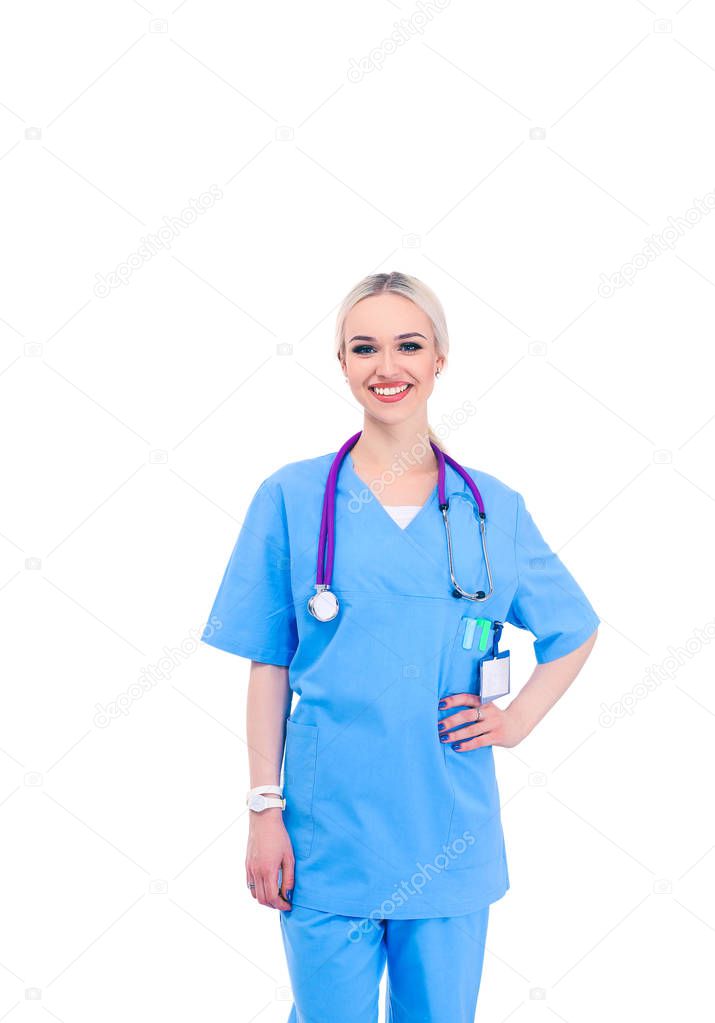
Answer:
[(374, 583)]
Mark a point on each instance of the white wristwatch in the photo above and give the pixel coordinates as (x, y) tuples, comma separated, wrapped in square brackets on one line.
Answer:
[(256, 801)]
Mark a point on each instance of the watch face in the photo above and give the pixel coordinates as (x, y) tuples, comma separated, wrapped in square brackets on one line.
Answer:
[(258, 802)]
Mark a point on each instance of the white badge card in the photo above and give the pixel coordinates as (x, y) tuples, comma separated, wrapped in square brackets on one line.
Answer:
[(494, 677)]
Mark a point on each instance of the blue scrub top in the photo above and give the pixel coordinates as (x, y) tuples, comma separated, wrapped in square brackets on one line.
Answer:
[(385, 820)]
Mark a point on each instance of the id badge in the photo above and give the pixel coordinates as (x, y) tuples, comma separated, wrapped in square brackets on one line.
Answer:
[(494, 677)]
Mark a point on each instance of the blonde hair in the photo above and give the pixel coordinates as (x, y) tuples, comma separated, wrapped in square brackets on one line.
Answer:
[(399, 284)]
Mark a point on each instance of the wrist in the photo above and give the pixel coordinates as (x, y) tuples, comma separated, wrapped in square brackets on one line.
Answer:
[(516, 714), (271, 814)]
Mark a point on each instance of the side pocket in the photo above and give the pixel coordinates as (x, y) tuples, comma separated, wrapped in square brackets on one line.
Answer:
[(301, 754), (475, 830)]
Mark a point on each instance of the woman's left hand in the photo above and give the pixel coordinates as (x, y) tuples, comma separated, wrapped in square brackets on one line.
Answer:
[(496, 727)]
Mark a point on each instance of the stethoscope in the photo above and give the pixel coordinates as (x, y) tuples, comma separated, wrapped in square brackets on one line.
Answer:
[(324, 605)]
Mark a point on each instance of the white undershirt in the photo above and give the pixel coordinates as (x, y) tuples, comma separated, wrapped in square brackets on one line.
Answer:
[(403, 514)]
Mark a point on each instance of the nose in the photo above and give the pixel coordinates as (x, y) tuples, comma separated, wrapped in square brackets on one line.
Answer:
[(387, 363)]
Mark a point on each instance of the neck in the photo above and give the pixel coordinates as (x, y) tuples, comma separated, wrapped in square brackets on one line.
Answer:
[(401, 447)]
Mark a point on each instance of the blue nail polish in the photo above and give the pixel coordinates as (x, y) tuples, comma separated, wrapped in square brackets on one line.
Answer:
[(440, 725), (289, 895), (442, 704), (455, 745)]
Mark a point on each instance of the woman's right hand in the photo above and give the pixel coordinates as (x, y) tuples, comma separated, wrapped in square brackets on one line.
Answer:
[(269, 848)]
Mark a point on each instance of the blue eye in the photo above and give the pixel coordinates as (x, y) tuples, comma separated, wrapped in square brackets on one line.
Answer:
[(410, 346)]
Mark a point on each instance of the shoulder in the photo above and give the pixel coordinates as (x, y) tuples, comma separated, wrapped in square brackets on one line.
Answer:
[(499, 498), (492, 484), (504, 504), (299, 477)]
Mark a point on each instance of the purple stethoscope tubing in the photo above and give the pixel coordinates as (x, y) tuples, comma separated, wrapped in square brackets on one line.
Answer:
[(326, 540)]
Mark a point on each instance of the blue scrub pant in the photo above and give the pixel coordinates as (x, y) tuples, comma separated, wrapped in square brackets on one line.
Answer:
[(434, 966)]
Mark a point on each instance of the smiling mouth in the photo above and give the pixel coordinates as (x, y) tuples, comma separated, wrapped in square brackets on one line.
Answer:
[(388, 391)]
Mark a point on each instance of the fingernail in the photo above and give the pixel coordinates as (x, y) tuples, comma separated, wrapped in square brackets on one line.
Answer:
[(289, 895), (455, 745), (440, 725), (442, 704)]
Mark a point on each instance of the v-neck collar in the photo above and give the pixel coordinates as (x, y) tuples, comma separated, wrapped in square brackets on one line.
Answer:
[(424, 508)]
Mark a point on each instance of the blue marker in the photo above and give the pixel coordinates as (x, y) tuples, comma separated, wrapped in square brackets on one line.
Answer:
[(469, 630)]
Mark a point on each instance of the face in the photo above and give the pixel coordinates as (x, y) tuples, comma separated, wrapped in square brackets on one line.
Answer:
[(389, 345)]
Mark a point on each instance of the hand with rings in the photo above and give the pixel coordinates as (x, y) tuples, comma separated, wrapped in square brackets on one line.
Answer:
[(466, 730)]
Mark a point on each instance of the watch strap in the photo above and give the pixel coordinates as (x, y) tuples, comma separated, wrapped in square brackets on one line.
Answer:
[(278, 789)]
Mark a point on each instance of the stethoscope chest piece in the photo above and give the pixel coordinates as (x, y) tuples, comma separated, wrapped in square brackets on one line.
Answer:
[(323, 605)]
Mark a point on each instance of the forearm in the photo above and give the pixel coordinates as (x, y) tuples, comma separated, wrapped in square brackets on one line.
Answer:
[(268, 705), (548, 682)]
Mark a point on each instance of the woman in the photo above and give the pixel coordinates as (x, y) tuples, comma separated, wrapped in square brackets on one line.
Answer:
[(388, 848)]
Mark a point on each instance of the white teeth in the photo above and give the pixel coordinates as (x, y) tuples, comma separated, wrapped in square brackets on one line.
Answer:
[(390, 390)]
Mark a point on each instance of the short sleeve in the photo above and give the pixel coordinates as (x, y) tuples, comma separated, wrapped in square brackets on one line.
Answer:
[(548, 600), (253, 613)]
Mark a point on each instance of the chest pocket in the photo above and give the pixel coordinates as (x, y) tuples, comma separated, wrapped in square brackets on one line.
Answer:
[(472, 642)]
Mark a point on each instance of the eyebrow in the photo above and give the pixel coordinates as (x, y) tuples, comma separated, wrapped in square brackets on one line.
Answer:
[(398, 337)]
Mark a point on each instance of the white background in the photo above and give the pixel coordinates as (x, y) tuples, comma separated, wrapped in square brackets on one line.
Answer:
[(513, 156)]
